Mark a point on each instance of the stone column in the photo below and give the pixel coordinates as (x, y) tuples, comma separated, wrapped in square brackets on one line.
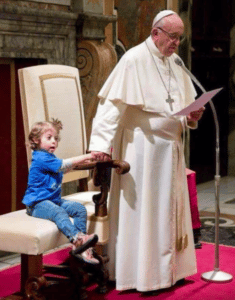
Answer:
[(95, 59)]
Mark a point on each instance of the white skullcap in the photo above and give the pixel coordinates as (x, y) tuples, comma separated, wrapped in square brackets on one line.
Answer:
[(161, 15)]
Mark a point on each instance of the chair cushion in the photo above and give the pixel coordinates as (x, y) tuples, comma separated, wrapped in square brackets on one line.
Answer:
[(21, 233)]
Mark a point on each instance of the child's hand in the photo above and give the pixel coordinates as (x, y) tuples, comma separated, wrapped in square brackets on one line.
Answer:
[(100, 156), (87, 158), (90, 157)]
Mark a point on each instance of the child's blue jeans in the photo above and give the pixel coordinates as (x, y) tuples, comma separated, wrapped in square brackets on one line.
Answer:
[(59, 212)]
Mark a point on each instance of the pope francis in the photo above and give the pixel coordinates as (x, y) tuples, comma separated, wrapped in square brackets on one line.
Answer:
[(151, 244)]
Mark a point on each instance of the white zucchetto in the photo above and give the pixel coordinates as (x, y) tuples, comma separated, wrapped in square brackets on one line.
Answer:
[(162, 14)]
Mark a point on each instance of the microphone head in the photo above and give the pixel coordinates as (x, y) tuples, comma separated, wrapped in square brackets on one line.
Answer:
[(178, 61)]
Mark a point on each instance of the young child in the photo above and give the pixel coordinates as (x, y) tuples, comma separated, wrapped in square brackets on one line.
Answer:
[(43, 194)]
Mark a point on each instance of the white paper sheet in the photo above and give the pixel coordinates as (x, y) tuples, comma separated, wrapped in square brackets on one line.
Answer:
[(200, 102)]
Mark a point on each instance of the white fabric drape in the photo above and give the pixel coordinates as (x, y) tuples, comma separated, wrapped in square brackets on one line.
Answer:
[(151, 243), (136, 80), (143, 203)]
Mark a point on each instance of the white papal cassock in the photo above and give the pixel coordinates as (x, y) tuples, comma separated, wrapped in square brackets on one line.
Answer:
[(151, 243)]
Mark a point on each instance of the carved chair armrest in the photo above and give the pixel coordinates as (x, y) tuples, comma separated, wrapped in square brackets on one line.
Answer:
[(101, 178)]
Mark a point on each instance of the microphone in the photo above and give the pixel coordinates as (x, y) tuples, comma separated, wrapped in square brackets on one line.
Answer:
[(179, 62)]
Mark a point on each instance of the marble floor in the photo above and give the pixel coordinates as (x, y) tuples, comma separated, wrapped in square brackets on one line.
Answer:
[(8, 259), (206, 205), (206, 195)]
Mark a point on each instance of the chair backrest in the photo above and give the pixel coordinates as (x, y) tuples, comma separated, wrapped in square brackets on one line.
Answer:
[(54, 91)]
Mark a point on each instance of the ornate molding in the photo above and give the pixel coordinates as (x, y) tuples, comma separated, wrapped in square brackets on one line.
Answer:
[(59, 2), (95, 61), (43, 34), (93, 6), (92, 26)]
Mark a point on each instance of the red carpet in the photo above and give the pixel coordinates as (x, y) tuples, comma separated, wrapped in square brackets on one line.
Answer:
[(194, 287), (10, 277)]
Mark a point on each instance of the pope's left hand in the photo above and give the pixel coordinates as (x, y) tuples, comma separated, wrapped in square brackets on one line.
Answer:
[(196, 115)]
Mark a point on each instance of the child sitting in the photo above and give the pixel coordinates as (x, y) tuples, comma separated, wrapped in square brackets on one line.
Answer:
[(43, 194)]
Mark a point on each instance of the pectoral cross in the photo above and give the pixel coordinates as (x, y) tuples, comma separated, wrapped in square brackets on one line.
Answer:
[(170, 101)]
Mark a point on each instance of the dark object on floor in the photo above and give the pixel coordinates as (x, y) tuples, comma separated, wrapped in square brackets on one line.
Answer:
[(196, 236), (180, 282), (86, 273), (198, 245)]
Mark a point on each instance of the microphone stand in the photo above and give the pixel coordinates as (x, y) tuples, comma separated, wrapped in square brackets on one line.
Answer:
[(216, 275)]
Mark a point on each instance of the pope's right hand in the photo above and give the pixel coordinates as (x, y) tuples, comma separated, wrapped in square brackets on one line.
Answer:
[(101, 156)]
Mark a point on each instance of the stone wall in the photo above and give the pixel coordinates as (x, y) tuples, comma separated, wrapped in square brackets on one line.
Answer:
[(60, 34), (55, 33), (135, 20), (29, 32)]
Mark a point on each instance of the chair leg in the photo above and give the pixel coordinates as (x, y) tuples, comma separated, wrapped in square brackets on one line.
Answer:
[(31, 266), (102, 275)]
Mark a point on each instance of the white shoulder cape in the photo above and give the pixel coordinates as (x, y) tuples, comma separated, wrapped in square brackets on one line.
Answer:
[(136, 81)]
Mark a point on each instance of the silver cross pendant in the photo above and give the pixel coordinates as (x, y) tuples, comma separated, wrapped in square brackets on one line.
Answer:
[(170, 101)]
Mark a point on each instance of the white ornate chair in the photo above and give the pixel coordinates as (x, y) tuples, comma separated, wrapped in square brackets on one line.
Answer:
[(53, 91)]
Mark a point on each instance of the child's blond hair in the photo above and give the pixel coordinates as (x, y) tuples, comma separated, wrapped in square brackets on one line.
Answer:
[(39, 128)]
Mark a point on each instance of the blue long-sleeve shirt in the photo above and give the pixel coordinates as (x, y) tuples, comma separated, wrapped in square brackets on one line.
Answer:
[(45, 178)]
